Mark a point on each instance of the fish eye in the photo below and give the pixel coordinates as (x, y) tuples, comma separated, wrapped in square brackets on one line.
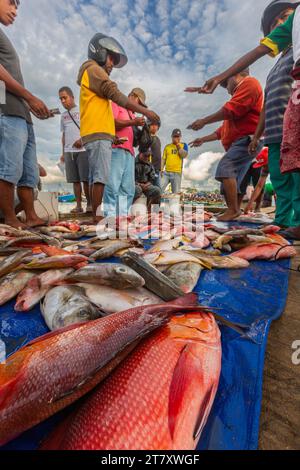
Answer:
[(82, 313)]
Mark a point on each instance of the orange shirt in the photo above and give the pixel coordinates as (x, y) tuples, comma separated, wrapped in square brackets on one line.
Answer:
[(242, 112)]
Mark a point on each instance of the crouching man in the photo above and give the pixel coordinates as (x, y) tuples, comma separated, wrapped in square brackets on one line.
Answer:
[(145, 177)]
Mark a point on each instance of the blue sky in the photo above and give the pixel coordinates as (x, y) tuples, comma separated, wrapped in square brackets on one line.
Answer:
[(170, 45)]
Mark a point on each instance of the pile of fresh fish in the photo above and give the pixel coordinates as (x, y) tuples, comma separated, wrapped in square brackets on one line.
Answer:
[(99, 310)]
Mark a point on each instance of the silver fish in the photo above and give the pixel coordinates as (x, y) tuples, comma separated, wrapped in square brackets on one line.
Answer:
[(184, 275), (118, 276), (12, 262), (111, 300), (64, 306), (12, 284)]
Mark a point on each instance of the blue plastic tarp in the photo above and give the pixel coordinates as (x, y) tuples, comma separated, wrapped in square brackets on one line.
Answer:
[(255, 296)]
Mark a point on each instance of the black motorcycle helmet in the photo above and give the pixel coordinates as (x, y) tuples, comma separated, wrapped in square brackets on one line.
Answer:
[(273, 10), (149, 122), (101, 45)]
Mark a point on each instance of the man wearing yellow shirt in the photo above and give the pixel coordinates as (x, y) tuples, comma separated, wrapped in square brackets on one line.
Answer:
[(173, 160)]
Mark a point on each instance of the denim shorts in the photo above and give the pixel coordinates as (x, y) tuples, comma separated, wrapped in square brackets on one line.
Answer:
[(99, 155), (18, 160)]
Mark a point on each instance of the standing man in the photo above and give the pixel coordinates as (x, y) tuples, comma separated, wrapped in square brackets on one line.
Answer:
[(156, 157), (241, 116), (173, 159), (120, 190), (97, 120), (18, 160), (74, 154)]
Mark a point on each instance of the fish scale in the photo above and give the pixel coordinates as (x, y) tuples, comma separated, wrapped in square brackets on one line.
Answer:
[(133, 408), (59, 368)]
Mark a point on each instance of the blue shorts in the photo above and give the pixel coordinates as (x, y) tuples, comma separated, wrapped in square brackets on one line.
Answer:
[(18, 160), (236, 162), (99, 155)]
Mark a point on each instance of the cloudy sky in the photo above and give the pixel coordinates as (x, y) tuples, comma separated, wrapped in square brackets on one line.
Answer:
[(170, 44)]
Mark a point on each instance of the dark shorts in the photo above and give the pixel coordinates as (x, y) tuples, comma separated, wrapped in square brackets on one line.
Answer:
[(77, 167), (236, 162), (252, 176)]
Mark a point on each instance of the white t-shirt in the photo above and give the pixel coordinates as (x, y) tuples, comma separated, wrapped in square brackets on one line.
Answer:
[(71, 131), (296, 35)]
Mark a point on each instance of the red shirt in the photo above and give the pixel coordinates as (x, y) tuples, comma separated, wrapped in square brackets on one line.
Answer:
[(242, 112)]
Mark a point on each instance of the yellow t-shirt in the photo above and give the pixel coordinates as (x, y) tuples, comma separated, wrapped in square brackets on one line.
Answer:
[(172, 161)]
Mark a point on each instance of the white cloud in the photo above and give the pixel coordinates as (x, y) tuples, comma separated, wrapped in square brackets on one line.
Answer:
[(202, 168)]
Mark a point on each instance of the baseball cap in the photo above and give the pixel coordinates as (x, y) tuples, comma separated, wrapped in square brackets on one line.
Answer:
[(262, 158), (141, 95), (176, 133)]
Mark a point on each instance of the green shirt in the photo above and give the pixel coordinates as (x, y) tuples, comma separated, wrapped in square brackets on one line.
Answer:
[(281, 37)]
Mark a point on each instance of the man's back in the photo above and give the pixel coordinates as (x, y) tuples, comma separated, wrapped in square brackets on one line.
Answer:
[(242, 112)]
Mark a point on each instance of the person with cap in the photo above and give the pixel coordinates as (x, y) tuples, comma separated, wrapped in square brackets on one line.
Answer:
[(260, 164), (172, 162), (18, 159), (145, 177), (120, 190), (96, 115), (240, 115)]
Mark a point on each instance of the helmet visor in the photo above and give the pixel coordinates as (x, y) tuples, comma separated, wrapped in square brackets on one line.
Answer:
[(116, 50)]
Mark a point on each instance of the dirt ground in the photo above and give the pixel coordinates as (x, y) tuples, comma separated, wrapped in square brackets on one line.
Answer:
[(280, 419)]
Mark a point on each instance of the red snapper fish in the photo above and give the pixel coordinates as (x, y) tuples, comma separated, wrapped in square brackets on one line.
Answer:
[(57, 369), (159, 398)]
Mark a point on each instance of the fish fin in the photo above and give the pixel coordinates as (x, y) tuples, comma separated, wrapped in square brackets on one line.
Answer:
[(204, 411), (186, 368)]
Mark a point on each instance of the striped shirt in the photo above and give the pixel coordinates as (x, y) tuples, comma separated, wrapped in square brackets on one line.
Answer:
[(277, 95)]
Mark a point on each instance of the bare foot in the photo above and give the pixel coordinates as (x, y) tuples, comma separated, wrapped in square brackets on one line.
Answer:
[(228, 216), (35, 222), (15, 223)]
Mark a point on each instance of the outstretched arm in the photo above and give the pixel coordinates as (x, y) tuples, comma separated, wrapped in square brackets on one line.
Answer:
[(244, 62), (200, 123), (203, 140)]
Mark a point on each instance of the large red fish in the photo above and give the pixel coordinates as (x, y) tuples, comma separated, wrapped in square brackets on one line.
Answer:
[(55, 370), (159, 398), (270, 252)]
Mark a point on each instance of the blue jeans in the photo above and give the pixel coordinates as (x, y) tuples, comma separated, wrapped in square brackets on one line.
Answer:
[(120, 190), (157, 181), (18, 160), (172, 178)]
